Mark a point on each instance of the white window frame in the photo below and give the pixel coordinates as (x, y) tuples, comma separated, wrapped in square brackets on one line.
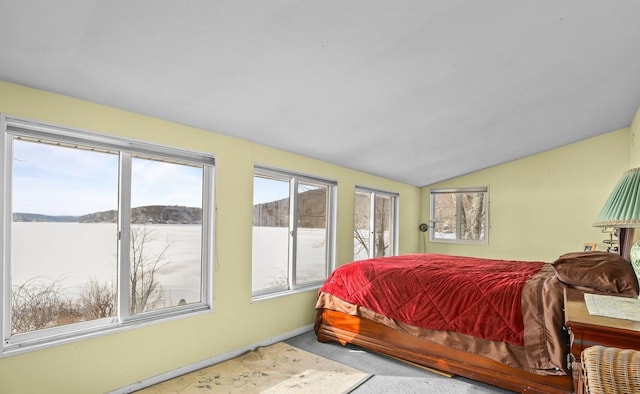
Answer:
[(458, 193), (14, 126), (394, 225), (294, 179)]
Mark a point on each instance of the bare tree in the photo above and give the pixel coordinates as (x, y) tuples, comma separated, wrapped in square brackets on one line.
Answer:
[(361, 224), (361, 231), (470, 208), (361, 237), (38, 304), (146, 290), (381, 212), (98, 300), (472, 212)]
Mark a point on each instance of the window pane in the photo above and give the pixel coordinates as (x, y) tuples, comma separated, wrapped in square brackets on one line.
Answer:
[(460, 215), (362, 228), (63, 267), (311, 252), (445, 216), (383, 225), (63, 262), (166, 235), (270, 242), (473, 216)]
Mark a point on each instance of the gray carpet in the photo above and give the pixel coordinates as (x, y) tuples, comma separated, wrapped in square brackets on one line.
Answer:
[(389, 375)]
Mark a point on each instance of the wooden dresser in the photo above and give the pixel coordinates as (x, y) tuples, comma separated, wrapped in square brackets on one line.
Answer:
[(588, 330)]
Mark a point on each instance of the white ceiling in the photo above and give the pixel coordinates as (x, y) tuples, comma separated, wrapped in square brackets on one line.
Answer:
[(416, 91)]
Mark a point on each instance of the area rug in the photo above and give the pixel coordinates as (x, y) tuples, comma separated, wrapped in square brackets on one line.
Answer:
[(279, 368)]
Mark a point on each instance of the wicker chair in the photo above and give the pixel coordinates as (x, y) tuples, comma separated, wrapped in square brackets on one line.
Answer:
[(610, 370)]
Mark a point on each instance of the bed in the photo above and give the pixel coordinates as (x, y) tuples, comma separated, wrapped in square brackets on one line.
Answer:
[(495, 321)]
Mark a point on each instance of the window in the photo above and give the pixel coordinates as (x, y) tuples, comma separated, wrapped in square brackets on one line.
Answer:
[(375, 221), (460, 215), (99, 233), (293, 232)]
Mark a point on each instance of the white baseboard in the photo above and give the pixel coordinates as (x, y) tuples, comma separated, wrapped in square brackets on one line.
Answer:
[(210, 361)]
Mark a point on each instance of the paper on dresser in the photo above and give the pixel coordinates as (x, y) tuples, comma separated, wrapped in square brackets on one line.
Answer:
[(611, 306)]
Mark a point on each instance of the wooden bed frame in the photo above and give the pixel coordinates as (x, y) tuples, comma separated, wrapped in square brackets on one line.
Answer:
[(343, 328)]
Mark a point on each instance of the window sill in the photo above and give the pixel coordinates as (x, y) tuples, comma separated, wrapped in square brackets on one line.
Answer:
[(44, 342), (265, 297)]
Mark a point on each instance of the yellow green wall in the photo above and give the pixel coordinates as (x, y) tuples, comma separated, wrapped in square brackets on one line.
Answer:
[(111, 361), (543, 205), (540, 207)]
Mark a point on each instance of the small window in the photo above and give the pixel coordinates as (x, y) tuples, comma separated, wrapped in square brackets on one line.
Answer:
[(99, 232), (460, 215), (375, 221), (293, 232)]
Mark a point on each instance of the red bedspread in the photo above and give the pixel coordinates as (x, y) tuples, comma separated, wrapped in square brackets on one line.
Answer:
[(478, 297)]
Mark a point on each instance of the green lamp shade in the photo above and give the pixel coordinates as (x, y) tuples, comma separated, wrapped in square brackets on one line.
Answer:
[(622, 209)]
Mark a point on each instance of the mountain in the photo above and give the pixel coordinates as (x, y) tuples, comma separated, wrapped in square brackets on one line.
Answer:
[(151, 214), (37, 217), (312, 205)]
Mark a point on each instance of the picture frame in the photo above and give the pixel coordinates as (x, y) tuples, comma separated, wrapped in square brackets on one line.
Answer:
[(589, 247)]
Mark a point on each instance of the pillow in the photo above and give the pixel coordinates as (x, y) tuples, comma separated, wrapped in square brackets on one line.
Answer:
[(601, 271)]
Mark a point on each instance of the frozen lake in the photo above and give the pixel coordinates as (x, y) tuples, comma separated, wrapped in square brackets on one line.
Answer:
[(271, 256), (74, 253)]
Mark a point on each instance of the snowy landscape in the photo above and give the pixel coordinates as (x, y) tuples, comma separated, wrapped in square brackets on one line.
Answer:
[(74, 253)]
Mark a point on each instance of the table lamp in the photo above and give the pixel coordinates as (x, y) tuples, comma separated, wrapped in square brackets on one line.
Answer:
[(622, 210)]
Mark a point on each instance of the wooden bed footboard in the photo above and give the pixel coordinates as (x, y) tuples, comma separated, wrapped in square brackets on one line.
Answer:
[(343, 328)]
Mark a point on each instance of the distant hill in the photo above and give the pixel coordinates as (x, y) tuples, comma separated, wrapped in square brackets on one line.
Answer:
[(36, 217), (312, 207), (152, 214)]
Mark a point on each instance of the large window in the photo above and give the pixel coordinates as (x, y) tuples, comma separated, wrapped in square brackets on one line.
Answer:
[(374, 232), (293, 232), (99, 232), (460, 215)]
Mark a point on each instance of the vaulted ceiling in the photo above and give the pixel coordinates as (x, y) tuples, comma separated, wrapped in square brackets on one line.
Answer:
[(417, 91)]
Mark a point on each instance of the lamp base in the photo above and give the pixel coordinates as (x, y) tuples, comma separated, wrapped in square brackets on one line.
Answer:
[(634, 258)]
